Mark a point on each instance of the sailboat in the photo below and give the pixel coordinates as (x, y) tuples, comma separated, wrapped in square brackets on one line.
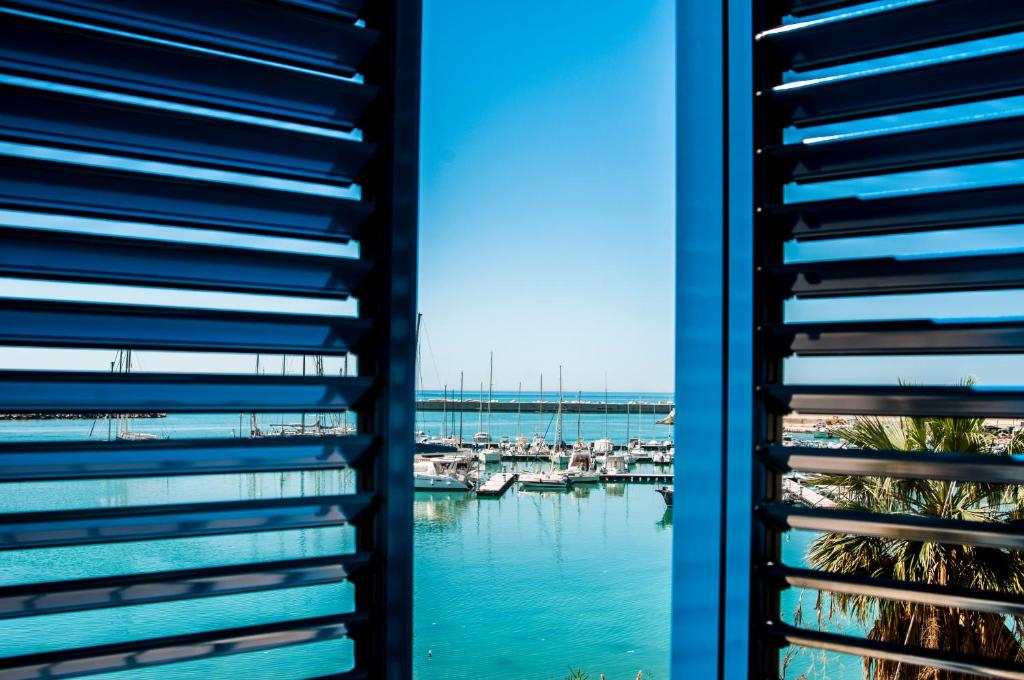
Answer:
[(490, 454), (522, 444), (481, 438), (539, 447), (559, 455), (635, 449), (123, 359), (602, 447)]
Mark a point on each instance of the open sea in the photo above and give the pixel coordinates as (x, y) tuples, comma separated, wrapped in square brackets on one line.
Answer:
[(524, 586)]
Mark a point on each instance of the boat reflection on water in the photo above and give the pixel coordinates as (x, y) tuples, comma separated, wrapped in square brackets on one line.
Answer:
[(666, 520), (581, 491), (439, 507), (615, 488)]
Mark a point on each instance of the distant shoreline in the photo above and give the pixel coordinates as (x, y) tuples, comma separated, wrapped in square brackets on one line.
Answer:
[(78, 416)]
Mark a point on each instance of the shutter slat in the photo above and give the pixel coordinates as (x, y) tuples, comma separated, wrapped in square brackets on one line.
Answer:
[(949, 81), (969, 467), (868, 338), (913, 656), (144, 262), (192, 647), (933, 210), (36, 599), (92, 125), (928, 529), (107, 193), (944, 596), (76, 55), (100, 526), (39, 461), (893, 276), (884, 400), (252, 28), (100, 392), (44, 324), (873, 34), (802, 8), (339, 8), (973, 141)]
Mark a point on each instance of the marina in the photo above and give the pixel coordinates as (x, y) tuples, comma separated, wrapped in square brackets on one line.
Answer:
[(525, 558), (528, 407)]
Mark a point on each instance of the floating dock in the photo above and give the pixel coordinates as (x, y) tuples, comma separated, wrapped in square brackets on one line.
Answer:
[(534, 458), (652, 477), (527, 407), (497, 484), (806, 495)]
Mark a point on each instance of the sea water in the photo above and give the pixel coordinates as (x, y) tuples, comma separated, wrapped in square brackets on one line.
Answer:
[(523, 586)]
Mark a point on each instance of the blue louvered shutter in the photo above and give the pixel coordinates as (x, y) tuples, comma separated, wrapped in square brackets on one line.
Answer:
[(248, 150), (875, 113)]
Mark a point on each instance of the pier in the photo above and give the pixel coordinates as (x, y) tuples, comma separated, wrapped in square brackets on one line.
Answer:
[(497, 484), (806, 495), (645, 477), (527, 407)]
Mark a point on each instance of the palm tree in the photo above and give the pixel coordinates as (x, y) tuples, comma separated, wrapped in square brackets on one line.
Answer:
[(960, 566)]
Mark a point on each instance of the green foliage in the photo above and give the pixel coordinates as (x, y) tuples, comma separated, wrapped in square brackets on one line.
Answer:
[(960, 566), (578, 674)]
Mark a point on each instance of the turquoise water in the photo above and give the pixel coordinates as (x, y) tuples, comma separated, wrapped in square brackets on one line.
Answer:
[(518, 587), (534, 582)]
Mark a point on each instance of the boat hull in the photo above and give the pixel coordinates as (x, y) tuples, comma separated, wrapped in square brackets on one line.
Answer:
[(544, 486), (424, 482), (491, 456)]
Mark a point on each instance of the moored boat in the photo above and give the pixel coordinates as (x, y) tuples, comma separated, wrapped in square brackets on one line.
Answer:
[(582, 468), (615, 464), (447, 473), (544, 480), (666, 493)]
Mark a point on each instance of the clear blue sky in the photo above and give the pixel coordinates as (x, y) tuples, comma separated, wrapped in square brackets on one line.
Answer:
[(547, 221), (547, 192)]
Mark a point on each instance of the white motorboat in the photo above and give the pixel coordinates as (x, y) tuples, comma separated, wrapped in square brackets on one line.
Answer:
[(665, 457), (615, 464), (602, 447), (446, 473), (582, 468), (489, 455), (544, 480)]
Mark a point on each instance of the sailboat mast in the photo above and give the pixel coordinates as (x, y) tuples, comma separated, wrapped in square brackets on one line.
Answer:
[(558, 428), (606, 405), (444, 414), (627, 424), (462, 375), (540, 407), (480, 424), (490, 395), (344, 427), (283, 371), (519, 410), (579, 414), (127, 369)]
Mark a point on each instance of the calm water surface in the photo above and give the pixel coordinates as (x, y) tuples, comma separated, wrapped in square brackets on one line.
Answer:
[(518, 587)]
